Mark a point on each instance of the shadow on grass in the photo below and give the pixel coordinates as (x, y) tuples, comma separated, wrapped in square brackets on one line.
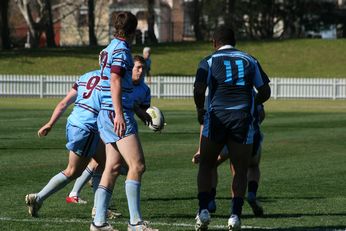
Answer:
[(317, 228)]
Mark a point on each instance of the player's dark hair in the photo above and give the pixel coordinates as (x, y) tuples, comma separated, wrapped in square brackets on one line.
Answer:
[(125, 23), (139, 58), (224, 36)]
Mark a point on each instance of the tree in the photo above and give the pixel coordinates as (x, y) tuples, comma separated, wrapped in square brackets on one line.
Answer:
[(151, 22), (230, 19), (42, 22), (25, 9), (91, 23), (5, 38), (198, 6), (49, 25)]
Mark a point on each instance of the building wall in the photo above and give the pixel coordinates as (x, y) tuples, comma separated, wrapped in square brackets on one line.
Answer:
[(74, 34), (169, 20)]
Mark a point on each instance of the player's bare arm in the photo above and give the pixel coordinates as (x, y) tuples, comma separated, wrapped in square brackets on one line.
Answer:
[(58, 111), (119, 121)]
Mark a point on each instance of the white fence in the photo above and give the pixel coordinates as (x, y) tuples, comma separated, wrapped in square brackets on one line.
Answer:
[(172, 87)]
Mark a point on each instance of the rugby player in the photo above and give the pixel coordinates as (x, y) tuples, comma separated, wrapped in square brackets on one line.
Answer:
[(253, 169), (230, 76), (118, 128), (142, 97), (83, 141)]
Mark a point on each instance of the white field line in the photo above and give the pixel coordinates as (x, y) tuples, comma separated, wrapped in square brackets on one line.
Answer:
[(83, 221)]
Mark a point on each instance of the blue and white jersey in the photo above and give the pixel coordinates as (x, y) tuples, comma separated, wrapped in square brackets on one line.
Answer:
[(87, 104), (141, 94), (116, 58), (230, 75)]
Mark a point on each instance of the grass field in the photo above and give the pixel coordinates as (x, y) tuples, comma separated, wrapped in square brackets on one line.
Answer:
[(303, 170), (288, 58)]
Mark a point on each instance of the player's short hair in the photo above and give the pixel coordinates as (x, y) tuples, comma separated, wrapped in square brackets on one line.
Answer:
[(125, 23), (224, 36), (140, 59)]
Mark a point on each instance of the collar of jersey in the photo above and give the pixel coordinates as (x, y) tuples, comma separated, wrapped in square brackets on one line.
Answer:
[(225, 47), (124, 40)]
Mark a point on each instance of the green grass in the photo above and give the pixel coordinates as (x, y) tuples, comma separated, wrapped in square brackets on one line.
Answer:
[(288, 58), (302, 184)]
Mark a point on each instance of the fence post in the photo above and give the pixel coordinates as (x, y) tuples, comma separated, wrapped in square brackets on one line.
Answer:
[(334, 89), (41, 86), (275, 91), (158, 87)]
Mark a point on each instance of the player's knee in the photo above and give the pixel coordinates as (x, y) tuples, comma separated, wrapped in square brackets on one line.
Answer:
[(115, 170), (138, 168), (72, 173)]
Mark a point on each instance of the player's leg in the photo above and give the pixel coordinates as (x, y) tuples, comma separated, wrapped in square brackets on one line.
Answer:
[(253, 182), (131, 150), (240, 155), (98, 157), (74, 169), (223, 156), (209, 151), (82, 145), (98, 163), (239, 159), (104, 190)]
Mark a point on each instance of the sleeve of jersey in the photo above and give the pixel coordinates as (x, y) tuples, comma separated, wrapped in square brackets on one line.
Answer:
[(260, 77), (147, 99), (202, 72), (119, 63), (75, 85)]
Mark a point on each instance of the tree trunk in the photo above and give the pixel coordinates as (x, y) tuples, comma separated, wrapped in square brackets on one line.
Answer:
[(230, 17), (49, 25), (91, 23), (196, 20), (5, 37), (24, 8), (151, 22)]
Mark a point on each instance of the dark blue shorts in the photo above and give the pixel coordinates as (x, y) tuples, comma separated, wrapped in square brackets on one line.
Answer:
[(219, 126), (256, 148)]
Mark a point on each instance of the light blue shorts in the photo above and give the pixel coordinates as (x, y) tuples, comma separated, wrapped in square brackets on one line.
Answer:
[(80, 141), (106, 126)]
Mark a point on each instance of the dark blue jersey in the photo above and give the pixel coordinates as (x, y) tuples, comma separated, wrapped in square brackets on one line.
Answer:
[(230, 75)]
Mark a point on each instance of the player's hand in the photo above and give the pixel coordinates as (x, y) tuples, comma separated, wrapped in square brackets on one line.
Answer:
[(119, 125), (195, 158), (44, 130), (145, 117)]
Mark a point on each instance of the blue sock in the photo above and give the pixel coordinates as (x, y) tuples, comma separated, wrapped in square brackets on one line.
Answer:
[(252, 190), (133, 189), (95, 182), (80, 182), (56, 183), (103, 196)]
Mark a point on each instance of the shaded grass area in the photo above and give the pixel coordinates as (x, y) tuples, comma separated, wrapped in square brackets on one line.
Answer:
[(288, 58), (303, 169)]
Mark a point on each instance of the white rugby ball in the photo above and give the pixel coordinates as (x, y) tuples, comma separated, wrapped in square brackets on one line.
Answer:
[(157, 118)]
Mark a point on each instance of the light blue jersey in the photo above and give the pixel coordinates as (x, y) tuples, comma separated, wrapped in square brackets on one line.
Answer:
[(87, 104), (141, 94), (116, 58)]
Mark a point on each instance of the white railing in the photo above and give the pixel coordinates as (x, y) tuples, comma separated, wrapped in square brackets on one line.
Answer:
[(172, 87)]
